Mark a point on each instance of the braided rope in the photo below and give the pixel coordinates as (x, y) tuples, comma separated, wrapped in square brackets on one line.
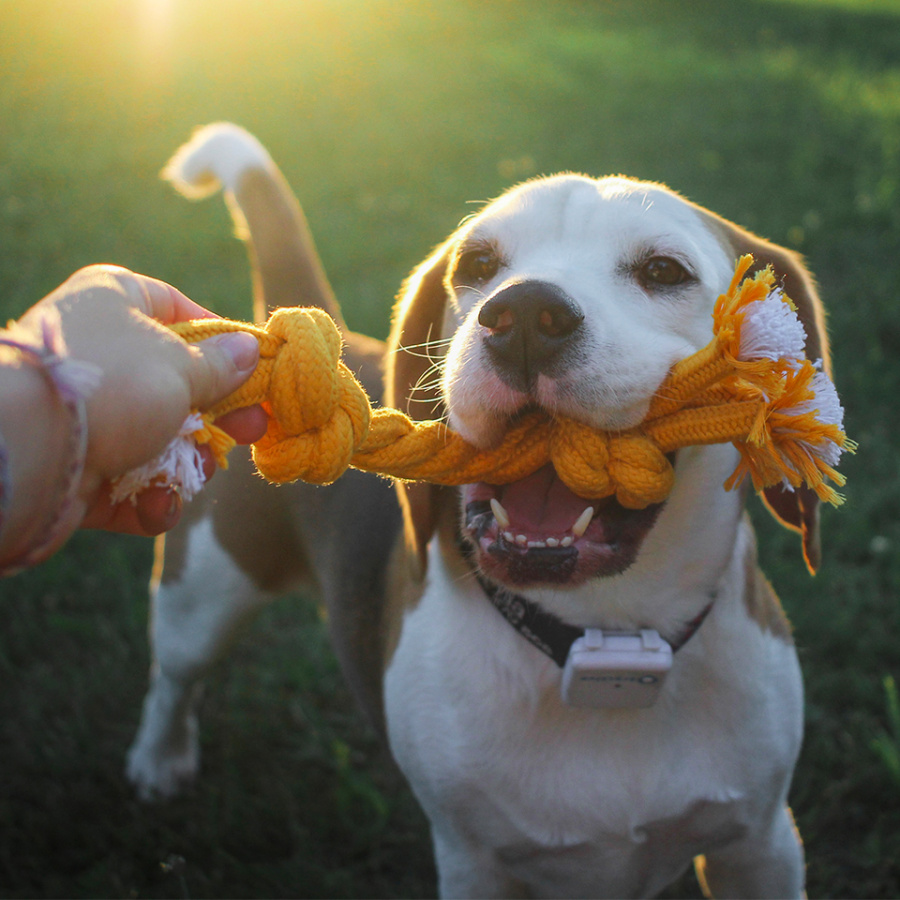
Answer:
[(321, 421)]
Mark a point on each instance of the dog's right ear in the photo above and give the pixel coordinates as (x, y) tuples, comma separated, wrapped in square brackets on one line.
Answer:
[(412, 380), (797, 509)]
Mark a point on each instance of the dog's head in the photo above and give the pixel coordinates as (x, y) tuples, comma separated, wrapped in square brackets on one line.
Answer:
[(575, 296)]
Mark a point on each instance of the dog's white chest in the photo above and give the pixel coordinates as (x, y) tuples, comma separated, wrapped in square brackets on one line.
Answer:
[(559, 793)]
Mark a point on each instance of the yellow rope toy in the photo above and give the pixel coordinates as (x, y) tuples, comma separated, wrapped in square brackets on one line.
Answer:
[(751, 385)]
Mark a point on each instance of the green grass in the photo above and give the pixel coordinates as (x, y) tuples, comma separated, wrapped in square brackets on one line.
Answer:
[(390, 118)]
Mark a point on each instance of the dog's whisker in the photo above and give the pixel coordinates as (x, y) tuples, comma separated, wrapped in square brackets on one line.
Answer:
[(466, 577), (430, 379), (424, 387), (480, 294), (662, 394), (424, 345)]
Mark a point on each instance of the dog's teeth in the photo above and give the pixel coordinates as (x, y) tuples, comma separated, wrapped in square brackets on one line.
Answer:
[(567, 541), (499, 513), (582, 522), (536, 544), (508, 535), (552, 542), (521, 540)]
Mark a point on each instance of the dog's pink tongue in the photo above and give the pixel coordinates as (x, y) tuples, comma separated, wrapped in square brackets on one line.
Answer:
[(541, 503)]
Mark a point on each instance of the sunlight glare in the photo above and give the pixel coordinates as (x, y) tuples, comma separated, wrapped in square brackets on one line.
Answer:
[(154, 34)]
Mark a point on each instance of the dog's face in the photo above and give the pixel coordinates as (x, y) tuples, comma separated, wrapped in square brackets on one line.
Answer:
[(574, 296)]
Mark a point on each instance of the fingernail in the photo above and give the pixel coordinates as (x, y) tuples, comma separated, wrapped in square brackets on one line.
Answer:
[(173, 511), (243, 348)]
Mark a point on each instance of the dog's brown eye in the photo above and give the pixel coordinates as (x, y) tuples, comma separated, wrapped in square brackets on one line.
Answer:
[(662, 271), (476, 266)]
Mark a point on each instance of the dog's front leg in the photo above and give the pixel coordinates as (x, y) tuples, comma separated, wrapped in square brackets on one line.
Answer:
[(194, 619), (467, 870), (192, 623), (763, 865), (165, 754)]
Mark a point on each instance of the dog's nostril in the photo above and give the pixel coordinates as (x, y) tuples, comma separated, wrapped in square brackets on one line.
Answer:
[(559, 320), (497, 318)]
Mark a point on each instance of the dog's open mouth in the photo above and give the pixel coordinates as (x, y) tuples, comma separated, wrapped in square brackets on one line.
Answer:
[(537, 531)]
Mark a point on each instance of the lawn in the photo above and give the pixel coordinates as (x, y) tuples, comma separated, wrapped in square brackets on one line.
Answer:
[(391, 119)]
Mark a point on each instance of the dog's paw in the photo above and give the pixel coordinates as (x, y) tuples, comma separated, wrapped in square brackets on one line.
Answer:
[(161, 768), (165, 756)]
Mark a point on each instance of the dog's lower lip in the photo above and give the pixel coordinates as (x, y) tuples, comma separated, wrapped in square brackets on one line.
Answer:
[(506, 542)]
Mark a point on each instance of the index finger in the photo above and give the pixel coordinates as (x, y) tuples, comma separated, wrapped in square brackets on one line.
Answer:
[(161, 301)]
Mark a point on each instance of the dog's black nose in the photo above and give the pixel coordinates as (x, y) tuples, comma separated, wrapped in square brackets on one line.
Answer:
[(531, 327)]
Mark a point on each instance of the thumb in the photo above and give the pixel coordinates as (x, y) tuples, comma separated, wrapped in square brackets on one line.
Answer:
[(221, 365)]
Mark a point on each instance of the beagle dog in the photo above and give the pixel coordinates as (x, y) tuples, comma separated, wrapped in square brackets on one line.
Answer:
[(584, 698)]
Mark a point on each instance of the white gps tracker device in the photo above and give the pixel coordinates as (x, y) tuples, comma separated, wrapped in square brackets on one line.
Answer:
[(615, 670)]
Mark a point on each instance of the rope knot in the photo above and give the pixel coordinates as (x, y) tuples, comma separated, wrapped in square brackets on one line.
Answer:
[(596, 464), (319, 415)]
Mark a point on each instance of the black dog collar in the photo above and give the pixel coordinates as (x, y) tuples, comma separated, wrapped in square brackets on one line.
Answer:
[(544, 630)]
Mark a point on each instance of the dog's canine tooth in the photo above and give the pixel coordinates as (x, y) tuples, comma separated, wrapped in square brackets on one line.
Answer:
[(500, 513), (582, 522)]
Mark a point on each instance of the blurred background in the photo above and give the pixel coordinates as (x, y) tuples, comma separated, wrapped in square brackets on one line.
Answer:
[(393, 120)]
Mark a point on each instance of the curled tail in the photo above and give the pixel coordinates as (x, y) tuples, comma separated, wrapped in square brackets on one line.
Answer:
[(286, 267)]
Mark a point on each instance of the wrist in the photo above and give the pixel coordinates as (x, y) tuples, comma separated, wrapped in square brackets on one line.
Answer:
[(43, 417), (35, 426)]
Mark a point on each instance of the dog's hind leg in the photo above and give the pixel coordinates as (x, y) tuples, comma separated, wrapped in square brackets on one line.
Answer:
[(757, 865), (211, 580)]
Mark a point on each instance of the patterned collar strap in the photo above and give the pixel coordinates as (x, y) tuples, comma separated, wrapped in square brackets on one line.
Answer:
[(547, 632)]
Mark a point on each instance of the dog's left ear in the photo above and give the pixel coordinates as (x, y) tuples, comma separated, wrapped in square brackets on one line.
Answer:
[(411, 382), (798, 509)]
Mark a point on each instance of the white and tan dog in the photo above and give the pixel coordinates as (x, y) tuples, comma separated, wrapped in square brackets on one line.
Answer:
[(576, 296)]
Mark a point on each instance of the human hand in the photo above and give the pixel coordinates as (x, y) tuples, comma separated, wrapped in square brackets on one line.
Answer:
[(151, 381)]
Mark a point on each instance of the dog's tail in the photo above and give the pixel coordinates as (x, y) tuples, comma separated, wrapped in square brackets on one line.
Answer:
[(286, 267)]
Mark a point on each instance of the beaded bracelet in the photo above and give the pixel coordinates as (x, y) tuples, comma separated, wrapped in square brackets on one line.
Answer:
[(73, 381)]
